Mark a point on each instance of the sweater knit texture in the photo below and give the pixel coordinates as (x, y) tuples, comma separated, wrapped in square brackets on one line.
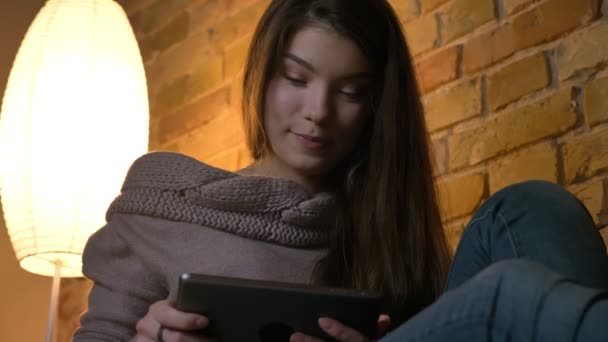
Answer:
[(176, 215), (178, 188)]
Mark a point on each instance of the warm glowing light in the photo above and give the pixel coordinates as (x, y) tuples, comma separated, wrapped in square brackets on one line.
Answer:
[(74, 117)]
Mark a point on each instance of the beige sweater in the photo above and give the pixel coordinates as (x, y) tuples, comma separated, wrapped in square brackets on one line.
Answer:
[(177, 215)]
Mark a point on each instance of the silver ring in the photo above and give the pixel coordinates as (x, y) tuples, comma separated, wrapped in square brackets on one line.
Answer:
[(159, 333)]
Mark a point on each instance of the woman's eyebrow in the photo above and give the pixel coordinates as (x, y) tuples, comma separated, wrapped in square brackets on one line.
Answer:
[(307, 65), (300, 61)]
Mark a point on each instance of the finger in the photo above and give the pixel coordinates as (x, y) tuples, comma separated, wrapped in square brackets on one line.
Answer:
[(172, 318), (384, 322), (141, 338), (182, 336), (149, 327), (340, 331), (299, 337), (146, 328)]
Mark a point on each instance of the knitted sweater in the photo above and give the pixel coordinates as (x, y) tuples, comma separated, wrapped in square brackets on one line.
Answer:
[(177, 215)]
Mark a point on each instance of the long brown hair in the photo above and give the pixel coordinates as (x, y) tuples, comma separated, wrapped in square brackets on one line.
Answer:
[(389, 237)]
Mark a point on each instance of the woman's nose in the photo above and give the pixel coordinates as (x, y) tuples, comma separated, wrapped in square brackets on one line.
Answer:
[(313, 116), (319, 106)]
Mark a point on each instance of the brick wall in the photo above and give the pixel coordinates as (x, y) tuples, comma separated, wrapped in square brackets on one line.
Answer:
[(194, 52), (514, 90)]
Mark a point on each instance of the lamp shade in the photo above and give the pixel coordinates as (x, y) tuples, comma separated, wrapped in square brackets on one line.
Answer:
[(74, 117)]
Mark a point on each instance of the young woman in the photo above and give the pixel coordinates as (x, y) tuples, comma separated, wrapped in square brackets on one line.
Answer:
[(341, 193)]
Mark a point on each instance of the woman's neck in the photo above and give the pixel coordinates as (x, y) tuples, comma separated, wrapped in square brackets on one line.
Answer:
[(269, 168)]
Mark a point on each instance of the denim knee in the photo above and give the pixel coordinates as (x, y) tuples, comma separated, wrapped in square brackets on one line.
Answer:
[(511, 300), (538, 196), (499, 303), (524, 274), (537, 220), (534, 301), (523, 284)]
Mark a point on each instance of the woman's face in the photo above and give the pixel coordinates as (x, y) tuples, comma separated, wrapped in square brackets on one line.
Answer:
[(315, 100)]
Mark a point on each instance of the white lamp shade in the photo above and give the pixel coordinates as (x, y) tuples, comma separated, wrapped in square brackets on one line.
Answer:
[(74, 117)]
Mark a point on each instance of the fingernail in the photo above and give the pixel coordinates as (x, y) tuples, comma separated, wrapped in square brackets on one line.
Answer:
[(325, 323), (201, 322)]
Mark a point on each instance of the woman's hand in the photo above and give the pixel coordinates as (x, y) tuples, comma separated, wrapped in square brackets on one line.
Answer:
[(176, 325), (341, 332)]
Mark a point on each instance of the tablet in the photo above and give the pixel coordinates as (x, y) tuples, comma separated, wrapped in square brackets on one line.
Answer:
[(255, 310)]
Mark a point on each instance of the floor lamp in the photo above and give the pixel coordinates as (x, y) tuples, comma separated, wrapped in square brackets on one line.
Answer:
[(74, 117)]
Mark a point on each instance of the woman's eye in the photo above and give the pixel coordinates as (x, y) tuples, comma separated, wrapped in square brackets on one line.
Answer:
[(295, 81), (353, 96)]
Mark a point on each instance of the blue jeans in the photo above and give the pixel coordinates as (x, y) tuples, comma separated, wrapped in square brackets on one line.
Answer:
[(530, 266)]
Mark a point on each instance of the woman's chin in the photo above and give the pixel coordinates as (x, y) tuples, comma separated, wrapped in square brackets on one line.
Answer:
[(310, 168)]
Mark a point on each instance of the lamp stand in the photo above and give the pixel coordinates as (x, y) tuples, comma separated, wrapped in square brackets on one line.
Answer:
[(54, 301)]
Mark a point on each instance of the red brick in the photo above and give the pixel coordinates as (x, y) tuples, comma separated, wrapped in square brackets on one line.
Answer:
[(207, 76), (505, 132), (453, 232), (171, 34), (169, 97), (236, 93), (517, 80), (596, 101), (235, 56), (153, 141), (225, 160), (172, 147), (232, 7), (537, 162), (406, 9), (538, 25), (136, 21), (244, 156), (193, 115), (181, 60), (437, 69), (73, 295), (583, 51), (220, 134), (429, 5), (586, 155), (460, 195), (592, 195), (450, 106), (161, 12), (513, 6), (604, 233), (206, 15), (232, 28), (422, 34), (460, 17), (171, 86), (133, 6), (440, 154)]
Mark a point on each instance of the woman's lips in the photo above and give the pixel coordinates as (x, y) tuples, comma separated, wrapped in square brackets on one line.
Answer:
[(311, 142)]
